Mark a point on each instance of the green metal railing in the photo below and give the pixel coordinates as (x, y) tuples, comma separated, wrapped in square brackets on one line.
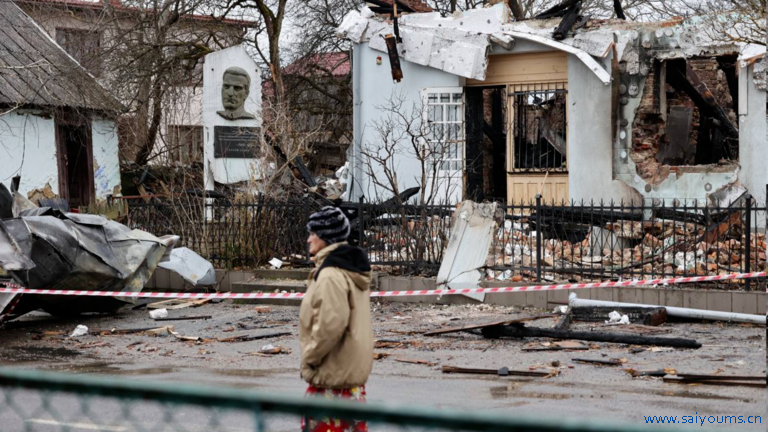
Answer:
[(45, 401)]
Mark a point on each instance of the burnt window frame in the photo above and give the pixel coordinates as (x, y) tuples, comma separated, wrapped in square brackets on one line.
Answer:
[(515, 93)]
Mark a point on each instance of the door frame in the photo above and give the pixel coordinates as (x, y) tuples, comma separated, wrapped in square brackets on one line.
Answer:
[(64, 118)]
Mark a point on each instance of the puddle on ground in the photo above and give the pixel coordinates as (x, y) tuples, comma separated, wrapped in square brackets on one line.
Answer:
[(23, 353), (113, 369), (505, 392), (654, 392), (251, 373)]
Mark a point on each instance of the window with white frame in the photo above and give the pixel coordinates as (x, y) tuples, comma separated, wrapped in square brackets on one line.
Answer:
[(444, 112)]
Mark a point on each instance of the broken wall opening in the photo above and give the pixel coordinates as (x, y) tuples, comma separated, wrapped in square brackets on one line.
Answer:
[(486, 128), (687, 118)]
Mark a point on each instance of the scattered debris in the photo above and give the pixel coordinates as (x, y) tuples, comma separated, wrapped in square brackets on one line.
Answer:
[(380, 355), (650, 316), (519, 331), (185, 318), (193, 268), (500, 372), (177, 304), (158, 313), (262, 309), (276, 263), (493, 324), (80, 330), (617, 318)]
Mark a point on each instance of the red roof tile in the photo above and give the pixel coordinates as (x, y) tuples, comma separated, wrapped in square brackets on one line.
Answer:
[(332, 64)]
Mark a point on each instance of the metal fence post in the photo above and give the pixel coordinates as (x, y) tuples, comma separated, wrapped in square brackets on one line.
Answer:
[(361, 224), (747, 249), (539, 226), (306, 220)]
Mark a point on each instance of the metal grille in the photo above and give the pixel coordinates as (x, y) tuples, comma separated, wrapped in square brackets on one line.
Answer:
[(539, 127)]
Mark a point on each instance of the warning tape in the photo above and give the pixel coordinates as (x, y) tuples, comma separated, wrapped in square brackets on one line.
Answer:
[(17, 289)]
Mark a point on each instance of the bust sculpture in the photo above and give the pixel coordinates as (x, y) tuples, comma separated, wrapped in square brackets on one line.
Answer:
[(235, 87)]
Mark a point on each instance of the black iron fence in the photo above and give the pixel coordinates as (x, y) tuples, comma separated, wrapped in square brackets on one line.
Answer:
[(536, 241)]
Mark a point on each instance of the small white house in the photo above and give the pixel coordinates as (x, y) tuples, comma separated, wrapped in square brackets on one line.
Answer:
[(615, 110), (57, 123)]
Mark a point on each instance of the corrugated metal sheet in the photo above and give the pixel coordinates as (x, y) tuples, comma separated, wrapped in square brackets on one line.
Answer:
[(471, 238), (34, 70)]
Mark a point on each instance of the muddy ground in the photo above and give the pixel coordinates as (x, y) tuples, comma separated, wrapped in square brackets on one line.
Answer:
[(578, 390)]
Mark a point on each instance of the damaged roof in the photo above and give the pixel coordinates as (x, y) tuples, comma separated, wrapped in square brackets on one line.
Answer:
[(460, 43), (35, 70)]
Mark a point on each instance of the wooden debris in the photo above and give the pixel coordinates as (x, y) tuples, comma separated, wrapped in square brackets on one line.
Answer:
[(159, 330), (262, 309), (555, 346), (380, 355), (519, 331), (611, 362), (709, 377), (414, 361), (174, 304), (184, 338), (652, 373), (721, 382), (186, 318), (246, 338), (493, 324), (500, 372)]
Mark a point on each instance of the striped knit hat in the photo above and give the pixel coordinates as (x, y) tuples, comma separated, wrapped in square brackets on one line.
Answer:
[(329, 224)]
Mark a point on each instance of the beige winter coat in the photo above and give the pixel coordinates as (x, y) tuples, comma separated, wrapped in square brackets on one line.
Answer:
[(335, 329)]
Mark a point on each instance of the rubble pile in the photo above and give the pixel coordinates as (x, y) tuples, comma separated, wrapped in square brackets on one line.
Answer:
[(626, 249), (423, 239)]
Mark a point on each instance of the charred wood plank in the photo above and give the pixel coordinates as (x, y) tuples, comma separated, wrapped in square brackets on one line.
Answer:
[(686, 80), (569, 19), (517, 331), (394, 58), (681, 380), (587, 215), (619, 10), (500, 372), (480, 326), (556, 10)]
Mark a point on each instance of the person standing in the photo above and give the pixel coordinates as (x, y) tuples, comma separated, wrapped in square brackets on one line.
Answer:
[(335, 330)]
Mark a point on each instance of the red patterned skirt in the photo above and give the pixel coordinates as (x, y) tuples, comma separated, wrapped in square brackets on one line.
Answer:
[(309, 424)]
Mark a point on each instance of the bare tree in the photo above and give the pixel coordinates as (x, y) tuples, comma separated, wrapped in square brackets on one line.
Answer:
[(402, 132)]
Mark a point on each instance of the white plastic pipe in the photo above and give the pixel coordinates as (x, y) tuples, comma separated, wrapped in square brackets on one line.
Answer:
[(574, 301)]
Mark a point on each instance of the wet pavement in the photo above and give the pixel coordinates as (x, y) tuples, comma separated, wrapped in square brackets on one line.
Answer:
[(580, 391)]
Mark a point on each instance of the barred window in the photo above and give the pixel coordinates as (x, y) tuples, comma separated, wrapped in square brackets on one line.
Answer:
[(539, 127)]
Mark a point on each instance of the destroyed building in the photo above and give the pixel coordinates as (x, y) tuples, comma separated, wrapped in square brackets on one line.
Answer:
[(57, 123), (571, 108)]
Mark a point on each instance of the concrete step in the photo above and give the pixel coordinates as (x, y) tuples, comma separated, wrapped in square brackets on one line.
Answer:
[(270, 286), (292, 274)]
